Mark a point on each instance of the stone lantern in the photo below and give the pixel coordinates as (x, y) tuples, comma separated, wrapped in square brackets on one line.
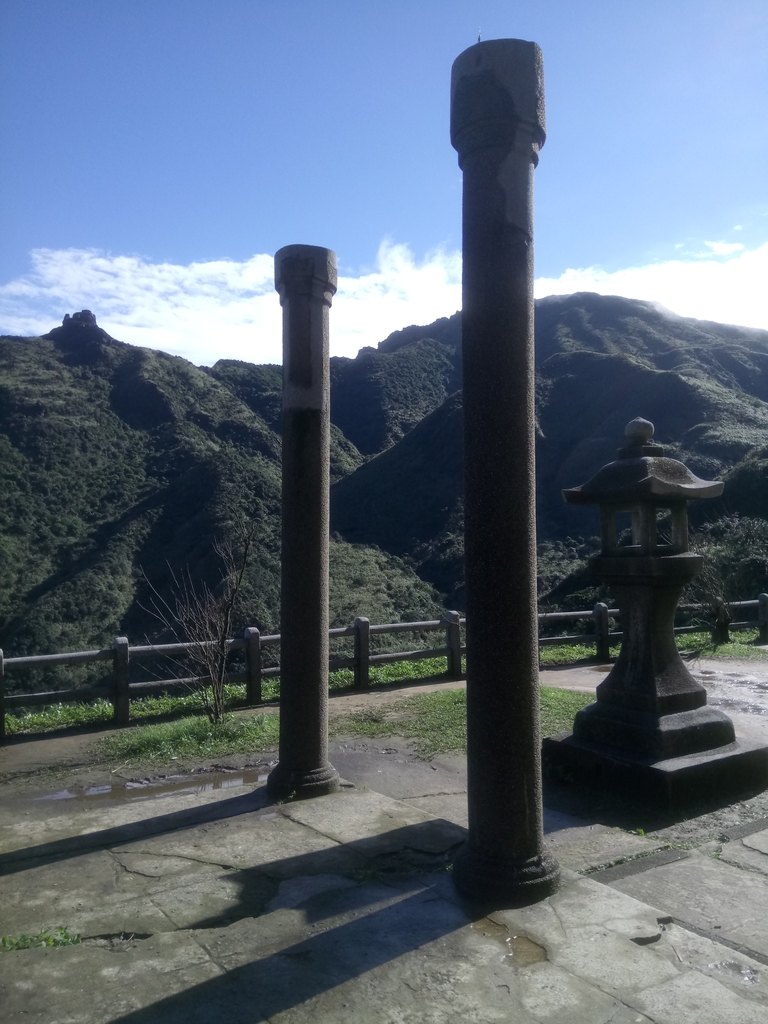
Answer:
[(650, 730)]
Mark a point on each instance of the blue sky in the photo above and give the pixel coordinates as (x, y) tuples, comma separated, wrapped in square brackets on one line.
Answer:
[(158, 152)]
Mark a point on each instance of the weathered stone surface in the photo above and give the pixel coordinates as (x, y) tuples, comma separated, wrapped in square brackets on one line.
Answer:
[(285, 938), (294, 892), (31, 833), (87, 894), (266, 840), (715, 897), (305, 277), (497, 127), (695, 997), (741, 856), (746, 977), (89, 984), (590, 847), (377, 824), (757, 841)]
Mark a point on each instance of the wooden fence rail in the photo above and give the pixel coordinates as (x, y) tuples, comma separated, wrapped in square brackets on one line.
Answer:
[(121, 654)]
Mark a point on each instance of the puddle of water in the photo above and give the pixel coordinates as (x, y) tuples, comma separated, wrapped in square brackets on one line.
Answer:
[(121, 791), (732, 691), (745, 974), (518, 950)]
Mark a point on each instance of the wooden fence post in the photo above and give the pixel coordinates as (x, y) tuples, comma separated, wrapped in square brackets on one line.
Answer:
[(762, 618), (453, 643), (252, 638), (2, 698), (602, 631), (362, 653), (122, 697)]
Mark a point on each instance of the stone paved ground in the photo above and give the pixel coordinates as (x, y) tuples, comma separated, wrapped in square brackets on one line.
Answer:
[(198, 900), (218, 905)]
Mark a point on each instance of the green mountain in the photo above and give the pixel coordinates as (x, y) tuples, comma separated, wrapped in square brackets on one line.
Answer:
[(121, 465), (600, 361)]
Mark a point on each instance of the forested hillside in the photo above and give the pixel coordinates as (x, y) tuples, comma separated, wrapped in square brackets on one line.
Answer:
[(600, 361), (119, 462)]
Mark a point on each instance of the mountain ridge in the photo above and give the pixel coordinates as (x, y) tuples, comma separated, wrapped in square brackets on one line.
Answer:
[(115, 459)]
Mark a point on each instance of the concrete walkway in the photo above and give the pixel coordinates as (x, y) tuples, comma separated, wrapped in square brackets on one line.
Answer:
[(199, 900)]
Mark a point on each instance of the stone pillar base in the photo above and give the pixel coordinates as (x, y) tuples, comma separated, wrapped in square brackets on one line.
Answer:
[(712, 778), (501, 881), (285, 784), (657, 737)]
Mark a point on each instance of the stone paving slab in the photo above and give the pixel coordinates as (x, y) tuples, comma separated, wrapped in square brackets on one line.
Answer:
[(373, 822), (590, 847), (757, 841), (28, 829), (741, 856), (710, 895), (340, 909)]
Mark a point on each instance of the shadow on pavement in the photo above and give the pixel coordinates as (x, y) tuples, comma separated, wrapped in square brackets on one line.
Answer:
[(63, 849)]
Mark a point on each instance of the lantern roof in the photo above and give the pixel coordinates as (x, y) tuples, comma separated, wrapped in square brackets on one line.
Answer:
[(642, 475)]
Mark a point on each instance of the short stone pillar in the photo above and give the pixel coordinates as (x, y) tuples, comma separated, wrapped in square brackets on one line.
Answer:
[(305, 277), (650, 731), (497, 127)]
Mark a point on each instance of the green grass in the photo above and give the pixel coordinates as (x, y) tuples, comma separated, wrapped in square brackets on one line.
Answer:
[(57, 937), (742, 645), (384, 675), (435, 721), (570, 654), (59, 716), (558, 708), (192, 737), (438, 721)]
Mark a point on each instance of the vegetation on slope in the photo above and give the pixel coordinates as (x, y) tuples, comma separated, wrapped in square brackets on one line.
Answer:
[(120, 462), (117, 461)]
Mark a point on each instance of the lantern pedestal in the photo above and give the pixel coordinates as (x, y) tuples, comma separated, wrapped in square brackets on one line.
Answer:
[(650, 734), (650, 704), (711, 778)]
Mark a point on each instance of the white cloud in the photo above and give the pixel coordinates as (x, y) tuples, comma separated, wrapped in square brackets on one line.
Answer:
[(222, 308), (723, 248), (201, 311), (731, 291), (206, 311)]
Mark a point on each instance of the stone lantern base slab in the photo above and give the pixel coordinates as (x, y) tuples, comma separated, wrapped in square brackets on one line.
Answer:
[(713, 778)]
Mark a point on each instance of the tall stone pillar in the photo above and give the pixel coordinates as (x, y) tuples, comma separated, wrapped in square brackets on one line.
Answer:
[(497, 127), (305, 277)]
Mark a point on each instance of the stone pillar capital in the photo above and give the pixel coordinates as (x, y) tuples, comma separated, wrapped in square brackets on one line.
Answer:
[(306, 270), (497, 98)]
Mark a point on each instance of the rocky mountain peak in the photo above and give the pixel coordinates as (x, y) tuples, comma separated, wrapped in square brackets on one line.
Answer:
[(81, 331)]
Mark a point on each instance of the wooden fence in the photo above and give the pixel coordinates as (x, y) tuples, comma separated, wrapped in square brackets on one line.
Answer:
[(121, 655)]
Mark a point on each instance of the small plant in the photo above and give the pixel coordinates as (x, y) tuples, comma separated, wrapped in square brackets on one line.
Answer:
[(202, 618), (57, 937)]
